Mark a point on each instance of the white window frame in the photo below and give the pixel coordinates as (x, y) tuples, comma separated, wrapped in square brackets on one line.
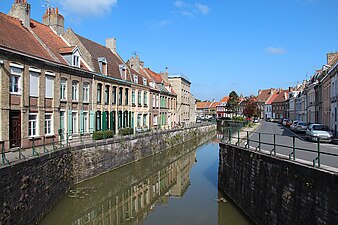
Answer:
[(75, 129), (16, 75), (76, 59), (75, 90), (63, 89), (145, 81), (85, 123), (30, 128), (135, 79), (49, 93), (49, 128), (85, 88), (34, 91)]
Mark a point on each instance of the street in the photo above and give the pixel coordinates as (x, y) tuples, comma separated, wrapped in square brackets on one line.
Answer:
[(284, 137)]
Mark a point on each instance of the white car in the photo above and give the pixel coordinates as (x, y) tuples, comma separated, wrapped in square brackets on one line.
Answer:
[(293, 125), (315, 131)]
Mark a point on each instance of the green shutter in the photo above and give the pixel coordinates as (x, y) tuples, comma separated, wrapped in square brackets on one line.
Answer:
[(104, 120), (70, 122), (91, 123), (81, 122)]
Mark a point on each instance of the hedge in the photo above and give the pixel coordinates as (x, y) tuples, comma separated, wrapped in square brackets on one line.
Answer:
[(99, 135)]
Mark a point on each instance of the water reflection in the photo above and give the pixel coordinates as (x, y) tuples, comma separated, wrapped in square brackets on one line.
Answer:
[(179, 186), (129, 194)]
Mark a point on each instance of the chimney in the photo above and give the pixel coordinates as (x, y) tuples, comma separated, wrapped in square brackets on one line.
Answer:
[(259, 91), (164, 75), (332, 58), (54, 19), (22, 11), (111, 44), (135, 63)]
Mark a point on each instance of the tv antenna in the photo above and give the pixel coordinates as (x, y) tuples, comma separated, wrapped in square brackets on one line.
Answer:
[(134, 53)]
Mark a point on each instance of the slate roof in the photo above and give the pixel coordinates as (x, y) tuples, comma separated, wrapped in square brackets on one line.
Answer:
[(16, 37)]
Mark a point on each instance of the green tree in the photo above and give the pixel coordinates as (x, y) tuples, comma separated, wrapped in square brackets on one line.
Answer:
[(233, 101), (251, 108)]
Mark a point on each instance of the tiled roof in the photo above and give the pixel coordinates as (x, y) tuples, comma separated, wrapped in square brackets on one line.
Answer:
[(272, 98), (15, 36), (156, 77), (97, 51), (224, 99), (139, 76), (264, 95), (214, 104), (50, 39), (66, 50), (202, 105), (281, 97)]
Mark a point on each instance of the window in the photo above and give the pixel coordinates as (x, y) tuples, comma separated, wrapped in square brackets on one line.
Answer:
[(85, 92), (85, 122), (106, 95), (145, 99), (75, 94), (34, 84), (133, 97), (120, 95), (63, 89), (98, 120), (145, 81), (103, 65), (74, 122), (135, 79), (76, 59), (49, 87), (48, 124), (139, 120), (15, 79), (126, 96), (32, 125), (144, 119), (154, 105), (139, 96), (99, 93), (114, 95)]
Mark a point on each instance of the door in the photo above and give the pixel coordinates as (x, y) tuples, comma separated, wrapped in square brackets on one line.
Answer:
[(15, 129)]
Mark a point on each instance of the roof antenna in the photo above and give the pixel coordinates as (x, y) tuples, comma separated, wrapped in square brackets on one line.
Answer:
[(134, 53), (48, 6)]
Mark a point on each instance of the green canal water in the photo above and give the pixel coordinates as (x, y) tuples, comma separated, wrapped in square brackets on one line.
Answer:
[(176, 187)]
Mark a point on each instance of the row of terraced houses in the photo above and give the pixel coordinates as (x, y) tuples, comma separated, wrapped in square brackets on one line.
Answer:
[(313, 101), (54, 81)]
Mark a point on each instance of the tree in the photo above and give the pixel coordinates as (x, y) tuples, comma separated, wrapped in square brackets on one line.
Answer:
[(233, 101), (251, 108)]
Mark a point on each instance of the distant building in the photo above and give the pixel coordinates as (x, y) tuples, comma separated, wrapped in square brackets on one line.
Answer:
[(185, 100)]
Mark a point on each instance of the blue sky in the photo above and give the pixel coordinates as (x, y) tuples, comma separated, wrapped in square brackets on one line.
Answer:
[(221, 45)]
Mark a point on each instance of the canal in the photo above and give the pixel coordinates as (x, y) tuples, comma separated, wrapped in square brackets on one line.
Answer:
[(178, 186)]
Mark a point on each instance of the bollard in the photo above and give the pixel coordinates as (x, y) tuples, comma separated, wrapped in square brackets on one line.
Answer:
[(44, 145), (238, 138)]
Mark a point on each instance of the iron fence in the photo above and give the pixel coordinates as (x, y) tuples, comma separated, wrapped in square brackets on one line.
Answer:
[(268, 143)]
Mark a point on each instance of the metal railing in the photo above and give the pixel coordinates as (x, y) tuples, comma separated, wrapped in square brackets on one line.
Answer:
[(29, 147), (256, 140)]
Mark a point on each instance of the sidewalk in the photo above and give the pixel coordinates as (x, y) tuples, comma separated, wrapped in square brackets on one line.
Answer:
[(243, 134)]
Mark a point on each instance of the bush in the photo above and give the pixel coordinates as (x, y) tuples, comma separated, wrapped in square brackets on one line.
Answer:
[(126, 131), (99, 135), (238, 118)]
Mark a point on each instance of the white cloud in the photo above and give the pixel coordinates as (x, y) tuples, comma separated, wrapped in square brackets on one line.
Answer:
[(87, 7), (190, 10), (204, 9), (276, 50)]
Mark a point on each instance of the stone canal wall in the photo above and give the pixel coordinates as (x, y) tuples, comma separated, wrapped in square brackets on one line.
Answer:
[(99, 158), (30, 188), (275, 191)]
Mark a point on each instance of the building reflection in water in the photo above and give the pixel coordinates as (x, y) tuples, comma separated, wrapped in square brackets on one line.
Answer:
[(127, 195)]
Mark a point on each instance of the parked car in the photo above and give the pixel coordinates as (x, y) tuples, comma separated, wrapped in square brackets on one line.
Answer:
[(255, 120), (280, 121), (315, 131), (288, 123), (284, 122), (293, 125), (301, 127)]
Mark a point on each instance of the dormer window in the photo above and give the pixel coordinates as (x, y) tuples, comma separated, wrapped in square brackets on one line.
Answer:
[(135, 79), (71, 54), (145, 81), (103, 65)]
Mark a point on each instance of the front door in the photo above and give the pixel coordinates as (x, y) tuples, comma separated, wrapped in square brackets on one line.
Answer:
[(15, 128)]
